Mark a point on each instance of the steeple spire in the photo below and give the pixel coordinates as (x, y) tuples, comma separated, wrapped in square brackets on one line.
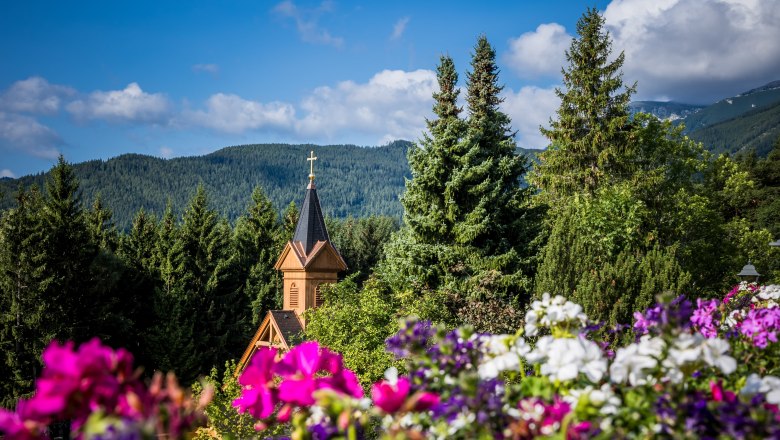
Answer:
[(311, 160), (311, 224)]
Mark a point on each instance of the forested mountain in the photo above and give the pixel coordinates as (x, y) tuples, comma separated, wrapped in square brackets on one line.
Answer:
[(665, 110), (354, 180), (748, 121)]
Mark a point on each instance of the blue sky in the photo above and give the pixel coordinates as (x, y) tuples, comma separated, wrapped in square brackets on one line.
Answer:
[(95, 79)]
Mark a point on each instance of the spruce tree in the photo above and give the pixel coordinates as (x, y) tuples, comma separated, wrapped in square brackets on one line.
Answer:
[(256, 238), (589, 139), (22, 306), (68, 253), (468, 226), (101, 226), (417, 252)]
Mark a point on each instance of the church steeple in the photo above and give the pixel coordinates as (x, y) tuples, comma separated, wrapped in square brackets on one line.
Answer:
[(308, 261), (311, 225)]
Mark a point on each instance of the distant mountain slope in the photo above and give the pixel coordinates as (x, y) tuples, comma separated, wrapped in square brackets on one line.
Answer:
[(351, 180), (736, 106), (750, 120), (665, 110), (754, 130)]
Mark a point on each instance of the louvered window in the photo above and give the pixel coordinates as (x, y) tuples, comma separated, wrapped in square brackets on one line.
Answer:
[(293, 296), (318, 299)]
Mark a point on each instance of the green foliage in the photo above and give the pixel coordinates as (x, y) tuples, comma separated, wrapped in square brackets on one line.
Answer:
[(361, 242), (355, 322), (224, 420), (590, 137), (257, 238), (469, 230)]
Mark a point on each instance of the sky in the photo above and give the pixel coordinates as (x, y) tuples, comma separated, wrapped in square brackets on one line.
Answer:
[(96, 79)]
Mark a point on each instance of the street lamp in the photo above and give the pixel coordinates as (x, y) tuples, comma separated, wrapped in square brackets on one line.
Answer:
[(749, 273), (775, 243)]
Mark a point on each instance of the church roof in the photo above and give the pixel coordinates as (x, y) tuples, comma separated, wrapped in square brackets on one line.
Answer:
[(288, 324), (311, 224), (283, 325)]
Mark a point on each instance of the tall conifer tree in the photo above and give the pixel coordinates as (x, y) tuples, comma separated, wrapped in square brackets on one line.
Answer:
[(589, 139), (256, 239)]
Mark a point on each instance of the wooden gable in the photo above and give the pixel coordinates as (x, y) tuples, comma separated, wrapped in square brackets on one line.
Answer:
[(277, 329), (290, 258), (325, 258)]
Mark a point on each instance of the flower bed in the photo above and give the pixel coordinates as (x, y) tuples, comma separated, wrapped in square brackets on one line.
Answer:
[(680, 371)]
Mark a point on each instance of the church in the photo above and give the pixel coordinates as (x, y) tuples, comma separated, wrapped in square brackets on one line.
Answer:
[(307, 262)]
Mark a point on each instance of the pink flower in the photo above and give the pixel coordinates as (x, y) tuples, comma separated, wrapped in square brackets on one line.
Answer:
[(299, 368), (258, 396), (424, 400), (389, 397), (705, 317), (22, 424)]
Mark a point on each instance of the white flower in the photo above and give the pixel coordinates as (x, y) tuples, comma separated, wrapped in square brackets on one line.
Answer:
[(770, 292), (531, 318), (752, 385), (633, 362), (502, 354), (714, 352), (565, 358), (770, 385)]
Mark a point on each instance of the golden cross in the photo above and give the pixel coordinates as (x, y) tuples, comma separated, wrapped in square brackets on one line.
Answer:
[(311, 165)]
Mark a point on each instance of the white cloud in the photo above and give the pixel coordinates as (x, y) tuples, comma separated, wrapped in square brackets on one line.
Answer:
[(7, 173), (696, 50), (393, 104), (129, 105), (34, 95), (307, 22), (166, 152), (233, 114), (25, 134), (399, 28), (530, 108), (208, 68), (539, 53)]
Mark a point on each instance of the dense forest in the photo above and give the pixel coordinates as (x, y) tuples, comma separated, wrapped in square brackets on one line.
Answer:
[(356, 181), (619, 209)]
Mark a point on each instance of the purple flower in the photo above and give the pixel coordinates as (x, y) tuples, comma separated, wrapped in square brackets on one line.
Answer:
[(706, 317), (414, 337), (761, 326)]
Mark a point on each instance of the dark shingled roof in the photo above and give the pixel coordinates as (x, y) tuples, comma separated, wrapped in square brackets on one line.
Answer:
[(311, 225), (288, 324)]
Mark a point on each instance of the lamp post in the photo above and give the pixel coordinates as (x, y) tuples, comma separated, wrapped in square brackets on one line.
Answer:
[(749, 273)]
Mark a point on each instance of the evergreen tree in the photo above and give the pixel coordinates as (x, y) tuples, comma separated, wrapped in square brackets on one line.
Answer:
[(71, 310), (256, 239), (469, 228), (21, 303), (589, 139), (101, 226), (204, 299), (289, 222)]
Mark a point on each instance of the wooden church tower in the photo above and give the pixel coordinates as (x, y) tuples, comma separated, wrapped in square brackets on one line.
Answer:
[(307, 261)]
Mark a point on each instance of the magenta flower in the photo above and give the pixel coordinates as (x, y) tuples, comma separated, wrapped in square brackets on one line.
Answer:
[(705, 317), (24, 424), (424, 400), (258, 397), (761, 326), (300, 368), (390, 397)]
